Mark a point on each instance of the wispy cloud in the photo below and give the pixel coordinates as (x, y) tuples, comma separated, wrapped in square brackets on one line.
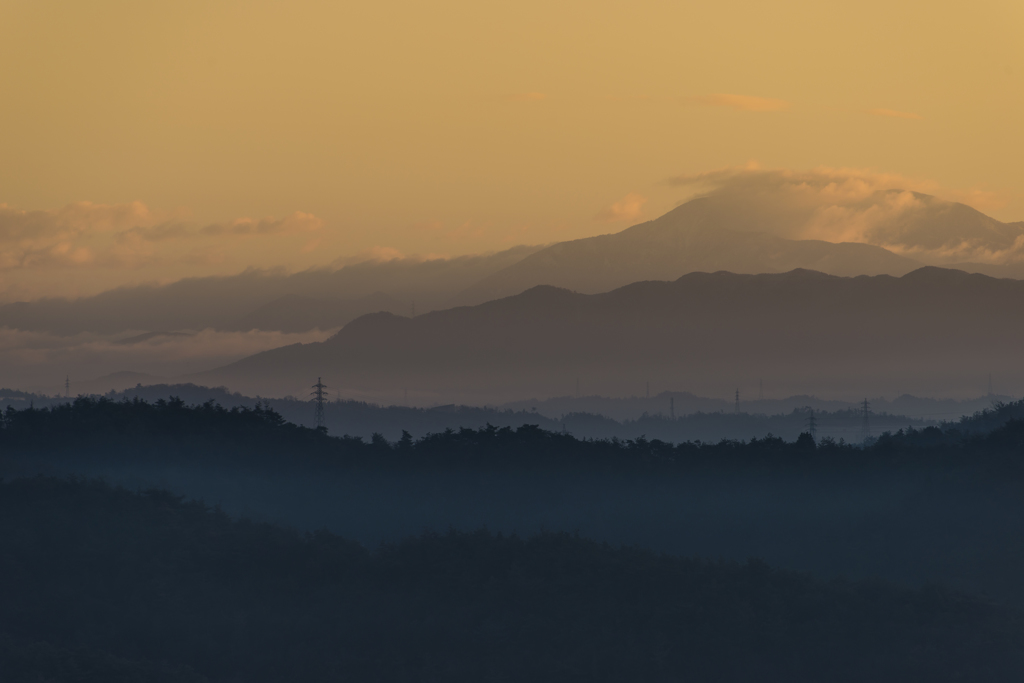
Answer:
[(905, 215), (39, 249), (742, 102), (628, 208), (298, 222), (377, 254), (892, 113)]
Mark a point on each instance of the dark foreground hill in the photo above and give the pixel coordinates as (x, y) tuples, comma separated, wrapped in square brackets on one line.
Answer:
[(103, 584), (935, 506), (802, 331)]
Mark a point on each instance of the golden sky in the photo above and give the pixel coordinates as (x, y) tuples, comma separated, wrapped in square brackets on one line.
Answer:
[(208, 136)]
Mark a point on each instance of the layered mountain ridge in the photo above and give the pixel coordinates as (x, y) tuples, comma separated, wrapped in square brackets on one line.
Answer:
[(736, 233), (704, 332)]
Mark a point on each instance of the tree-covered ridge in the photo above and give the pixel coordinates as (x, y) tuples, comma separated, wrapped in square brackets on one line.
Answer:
[(175, 590), (992, 440)]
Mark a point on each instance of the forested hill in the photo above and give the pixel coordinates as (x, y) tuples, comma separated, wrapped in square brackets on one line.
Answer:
[(103, 429), (588, 417), (103, 584)]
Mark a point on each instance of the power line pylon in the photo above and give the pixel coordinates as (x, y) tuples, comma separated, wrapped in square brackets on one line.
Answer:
[(737, 400), (67, 386), (812, 424), (319, 398)]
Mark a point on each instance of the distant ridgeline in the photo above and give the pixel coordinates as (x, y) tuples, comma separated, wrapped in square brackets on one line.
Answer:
[(102, 428), (587, 417)]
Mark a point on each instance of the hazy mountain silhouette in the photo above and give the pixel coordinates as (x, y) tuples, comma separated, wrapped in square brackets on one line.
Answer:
[(263, 299), (800, 331), (745, 230), (298, 313), (702, 235)]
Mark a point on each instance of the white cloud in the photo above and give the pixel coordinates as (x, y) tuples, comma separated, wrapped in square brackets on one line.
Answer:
[(904, 215), (628, 208)]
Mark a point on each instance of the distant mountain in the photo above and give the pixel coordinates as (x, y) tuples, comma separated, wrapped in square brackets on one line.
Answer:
[(746, 232), (298, 313), (932, 330), (699, 236), (263, 299), (115, 381)]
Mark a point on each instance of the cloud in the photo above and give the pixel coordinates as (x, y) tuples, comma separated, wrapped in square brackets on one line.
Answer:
[(892, 113), (117, 235), (156, 233), (40, 249), (743, 102), (628, 208), (38, 238), (905, 215), (377, 254), (298, 222)]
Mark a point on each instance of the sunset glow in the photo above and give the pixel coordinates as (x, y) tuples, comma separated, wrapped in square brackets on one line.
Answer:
[(153, 133)]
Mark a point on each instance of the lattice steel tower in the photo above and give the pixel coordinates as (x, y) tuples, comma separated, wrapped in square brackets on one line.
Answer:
[(319, 397)]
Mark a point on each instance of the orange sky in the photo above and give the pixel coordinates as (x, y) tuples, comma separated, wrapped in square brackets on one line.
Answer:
[(210, 136)]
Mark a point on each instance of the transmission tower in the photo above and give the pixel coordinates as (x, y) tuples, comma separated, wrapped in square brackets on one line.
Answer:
[(812, 424), (67, 386), (319, 397), (672, 407), (866, 424), (737, 400)]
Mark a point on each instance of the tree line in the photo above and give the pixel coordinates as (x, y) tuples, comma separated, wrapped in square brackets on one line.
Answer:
[(98, 427)]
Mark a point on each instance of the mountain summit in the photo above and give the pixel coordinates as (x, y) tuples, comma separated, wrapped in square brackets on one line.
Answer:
[(702, 235)]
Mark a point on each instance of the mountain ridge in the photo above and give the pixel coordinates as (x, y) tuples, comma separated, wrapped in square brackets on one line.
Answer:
[(701, 331), (690, 238)]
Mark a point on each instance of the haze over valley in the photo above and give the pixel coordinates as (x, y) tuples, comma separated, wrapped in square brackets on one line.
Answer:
[(708, 334), (549, 342)]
